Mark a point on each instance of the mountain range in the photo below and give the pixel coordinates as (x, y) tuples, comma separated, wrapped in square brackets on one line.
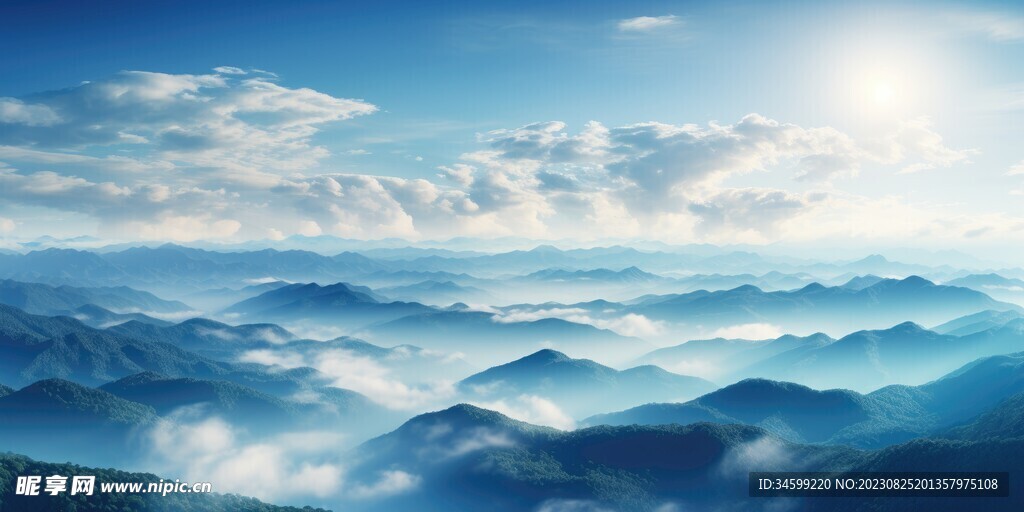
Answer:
[(489, 339), (580, 387), (819, 308), (886, 416), (463, 456)]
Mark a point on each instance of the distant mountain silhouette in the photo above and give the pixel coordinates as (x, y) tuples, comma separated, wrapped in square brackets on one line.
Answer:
[(339, 304), (995, 285), (488, 339), (208, 337), (244, 406), (977, 322), (818, 307), (889, 415), (44, 299), (437, 293), (580, 386), (906, 353)]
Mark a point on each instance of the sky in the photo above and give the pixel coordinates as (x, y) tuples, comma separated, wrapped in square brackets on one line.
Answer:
[(800, 123)]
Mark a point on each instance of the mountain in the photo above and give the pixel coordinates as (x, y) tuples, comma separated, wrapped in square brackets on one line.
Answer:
[(886, 416), (464, 456), (819, 308), (339, 305), (60, 266), (862, 282), (580, 387), (232, 401), (335, 294), (216, 299), (596, 276), (55, 418), (791, 411), (208, 337), (34, 347), (44, 299), (1005, 421), (437, 293), (415, 365), (978, 322), (12, 466), (101, 318), (256, 411), (488, 339), (723, 357), (174, 268), (769, 281), (903, 354), (999, 287)]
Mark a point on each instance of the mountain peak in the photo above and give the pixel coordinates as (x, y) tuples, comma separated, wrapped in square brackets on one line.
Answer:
[(545, 248), (546, 356), (915, 281)]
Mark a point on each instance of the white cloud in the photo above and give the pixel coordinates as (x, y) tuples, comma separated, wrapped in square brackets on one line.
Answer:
[(630, 324), (229, 70), (633, 324), (14, 111), (390, 483), (647, 23), (1000, 27), (210, 451), (756, 331), (232, 156), (532, 409), (364, 375), (249, 126), (924, 149), (1016, 170)]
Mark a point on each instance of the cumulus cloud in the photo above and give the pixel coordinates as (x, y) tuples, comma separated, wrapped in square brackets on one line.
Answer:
[(758, 212), (14, 111), (647, 23), (918, 144), (187, 153)]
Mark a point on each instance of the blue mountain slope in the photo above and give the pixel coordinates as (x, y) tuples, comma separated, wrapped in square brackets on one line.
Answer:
[(464, 456), (340, 305), (814, 306), (485, 338), (207, 337), (55, 418), (977, 322), (44, 299), (906, 353), (579, 386), (889, 415)]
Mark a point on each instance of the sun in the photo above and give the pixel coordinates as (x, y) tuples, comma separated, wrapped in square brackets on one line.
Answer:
[(883, 92)]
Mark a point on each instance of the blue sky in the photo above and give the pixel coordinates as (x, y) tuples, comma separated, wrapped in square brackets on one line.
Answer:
[(714, 121)]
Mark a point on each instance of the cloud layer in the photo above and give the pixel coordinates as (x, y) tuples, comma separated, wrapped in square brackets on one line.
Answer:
[(233, 154)]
